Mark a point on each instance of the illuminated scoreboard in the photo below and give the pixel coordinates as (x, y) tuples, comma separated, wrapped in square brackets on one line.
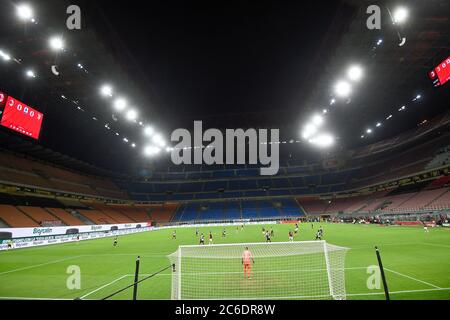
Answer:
[(441, 74), (17, 116)]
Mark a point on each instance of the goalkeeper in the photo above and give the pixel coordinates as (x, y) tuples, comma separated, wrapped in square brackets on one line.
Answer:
[(247, 258)]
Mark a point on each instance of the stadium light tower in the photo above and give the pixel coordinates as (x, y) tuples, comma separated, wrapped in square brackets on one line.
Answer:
[(355, 73), (400, 15), (343, 89), (56, 43), (25, 12)]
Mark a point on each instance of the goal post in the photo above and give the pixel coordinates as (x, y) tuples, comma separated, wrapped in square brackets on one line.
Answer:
[(280, 270)]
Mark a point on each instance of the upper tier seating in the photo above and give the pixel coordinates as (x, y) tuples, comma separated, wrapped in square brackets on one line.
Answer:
[(235, 210), (23, 171)]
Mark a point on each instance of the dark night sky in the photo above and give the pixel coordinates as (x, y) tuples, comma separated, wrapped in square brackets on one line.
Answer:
[(232, 64), (206, 59)]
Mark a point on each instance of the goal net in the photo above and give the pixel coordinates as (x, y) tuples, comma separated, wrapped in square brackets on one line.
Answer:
[(284, 270)]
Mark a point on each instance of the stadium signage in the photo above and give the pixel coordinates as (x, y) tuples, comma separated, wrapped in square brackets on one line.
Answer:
[(21, 118), (33, 232), (40, 231), (239, 145), (35, 241)]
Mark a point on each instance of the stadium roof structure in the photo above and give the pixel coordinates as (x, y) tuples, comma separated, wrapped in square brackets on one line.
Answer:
[(394, 75), (121, 52)]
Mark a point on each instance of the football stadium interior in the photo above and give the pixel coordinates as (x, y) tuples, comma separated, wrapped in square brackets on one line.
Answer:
[(87, 177)]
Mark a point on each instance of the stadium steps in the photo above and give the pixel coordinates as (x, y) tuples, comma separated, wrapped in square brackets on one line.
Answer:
[(3, 224)]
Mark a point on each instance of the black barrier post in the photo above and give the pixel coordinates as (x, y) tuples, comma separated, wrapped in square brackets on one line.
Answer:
[(383, 277), (136, 278)]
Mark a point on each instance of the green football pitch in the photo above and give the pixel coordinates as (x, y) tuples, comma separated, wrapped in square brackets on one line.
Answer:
[(416, 263)]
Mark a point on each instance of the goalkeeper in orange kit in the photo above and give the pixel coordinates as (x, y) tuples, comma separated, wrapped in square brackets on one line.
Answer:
[(247, 259)]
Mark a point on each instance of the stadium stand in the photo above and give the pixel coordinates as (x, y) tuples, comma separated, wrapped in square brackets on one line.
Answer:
[(41, 216), (15, 218), (97, 217), (223, 192), (65, 217), (29, 172)]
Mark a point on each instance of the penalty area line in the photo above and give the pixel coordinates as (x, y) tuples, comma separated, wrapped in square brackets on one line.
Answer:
[(412, 278), (104, 286)]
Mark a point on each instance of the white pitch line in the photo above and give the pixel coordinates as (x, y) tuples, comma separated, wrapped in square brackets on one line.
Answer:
[(104, 286), (412, 278), (397, 292), (273, 298), (39, 265)]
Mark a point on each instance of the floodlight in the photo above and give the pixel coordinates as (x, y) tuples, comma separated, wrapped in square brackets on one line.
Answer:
[(24, 12), (151, 151), (317, 120), (369, 131), (323, 140), (400, 15), (355, 73), (342, 88), (56, 43), (378, 124), (148, 131), (309, 130), (120, 104), (158, 140), (131, 115), (5, 56), (30, 74), (106, 91)]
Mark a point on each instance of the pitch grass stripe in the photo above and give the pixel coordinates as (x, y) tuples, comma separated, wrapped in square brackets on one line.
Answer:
[(104, 286), (39, 265), (412, 278)]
